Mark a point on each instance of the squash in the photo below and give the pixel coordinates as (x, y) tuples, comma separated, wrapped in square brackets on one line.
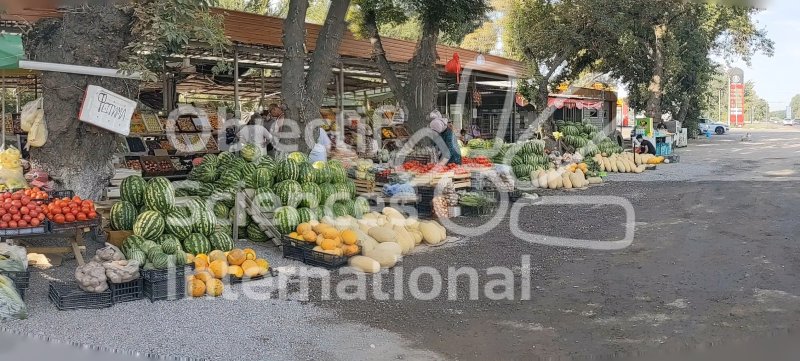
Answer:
[(412, 224), (581, 179), (214, 287), (218, 269), (197, 288), (641, 168), (431, 233), (382, 234), (392, 213), (595, 180), (365, 264), (543, 179), (391, 247), (442, 230), (567, 182), (417, 235), (385, 258), (236, 257), (404, 239)]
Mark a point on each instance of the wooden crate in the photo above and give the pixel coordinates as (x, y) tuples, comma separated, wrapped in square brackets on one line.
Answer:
[(364, 186), (460, 181)]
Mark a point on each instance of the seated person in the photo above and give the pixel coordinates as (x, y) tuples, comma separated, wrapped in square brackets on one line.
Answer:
[(642, 145)]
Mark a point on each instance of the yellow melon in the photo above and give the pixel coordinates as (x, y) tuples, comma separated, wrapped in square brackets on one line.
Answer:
[(202, 256), (218, 268), (236, 257), (262, 263), (349, 237), (329, 244), (235, 271), (249, 253), (200, 264), (214, 287), (250, 268), (302, 228), (310, 236), (350, 250), (197, 288), (203, 276), (216, 255), (330, 233)]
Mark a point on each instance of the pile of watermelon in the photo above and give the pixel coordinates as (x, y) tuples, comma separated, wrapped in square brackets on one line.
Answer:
[(288, 191)]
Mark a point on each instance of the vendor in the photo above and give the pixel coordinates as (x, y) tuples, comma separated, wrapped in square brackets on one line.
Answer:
[(661, 126), (444, 128), (641, 145)]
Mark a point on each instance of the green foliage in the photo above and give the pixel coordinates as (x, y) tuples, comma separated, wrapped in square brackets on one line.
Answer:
[(163, 28)]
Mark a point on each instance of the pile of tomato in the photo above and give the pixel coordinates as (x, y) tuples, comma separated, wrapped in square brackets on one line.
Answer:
[(419, 168), (19, 210), (36, 194), (68, 210), (480, 161)]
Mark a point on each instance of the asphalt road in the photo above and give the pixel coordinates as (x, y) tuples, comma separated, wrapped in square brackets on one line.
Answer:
[(714, 262)]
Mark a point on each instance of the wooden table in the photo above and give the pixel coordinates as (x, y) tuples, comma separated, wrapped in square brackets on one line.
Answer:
[(74, 239)]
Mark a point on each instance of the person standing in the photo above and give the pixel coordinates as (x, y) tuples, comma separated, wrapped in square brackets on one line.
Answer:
[(444, 128)]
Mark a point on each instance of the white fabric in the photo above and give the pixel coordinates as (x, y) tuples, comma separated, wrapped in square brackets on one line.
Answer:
[(255, 134), (320, 151)]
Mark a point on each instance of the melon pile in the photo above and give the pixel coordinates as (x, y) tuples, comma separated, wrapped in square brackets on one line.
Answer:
[(382, 238), (626, 162), (210, 270)]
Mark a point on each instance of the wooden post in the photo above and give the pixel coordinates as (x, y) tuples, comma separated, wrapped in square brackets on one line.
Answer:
[(236, 102)]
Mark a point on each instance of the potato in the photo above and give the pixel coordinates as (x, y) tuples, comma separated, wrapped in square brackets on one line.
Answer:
[(391, 247), (382, 234), (431, 233), (386, 259), (365, 264)]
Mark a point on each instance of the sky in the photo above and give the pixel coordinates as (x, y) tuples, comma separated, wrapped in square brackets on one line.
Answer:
[(777, 79)]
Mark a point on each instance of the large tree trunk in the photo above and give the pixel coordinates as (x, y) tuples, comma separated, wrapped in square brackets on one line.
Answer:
[(422, 90), (379, 55), (293, 77), (78, 155), (656, 81)]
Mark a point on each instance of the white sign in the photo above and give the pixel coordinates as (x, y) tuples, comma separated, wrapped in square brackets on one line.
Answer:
[(107, 110)]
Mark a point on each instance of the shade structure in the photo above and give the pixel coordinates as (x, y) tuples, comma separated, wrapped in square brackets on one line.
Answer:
[(11, 51)]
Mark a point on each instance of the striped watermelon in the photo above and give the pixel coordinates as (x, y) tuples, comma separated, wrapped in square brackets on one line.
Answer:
[(132, 190), (211, 159), (225, 158), (351, 187), (337, 174), (250, 152), (290, 193), (298, 157), (204, 223), (306, 215), (149, 245), (286, 219), (307, 174), (340, 209), (169, 244), (287, 170), (205, 172), (123, 215), (266, 162), (229, 179), (311, 195), (180, 258), (137, 255), (247, 171), (327, 191), (132, 243), (196, 244), (360, 207), (221, 241), (321, 174), (262, 177), (220, 210), (159, 195), (149, 225), (178, 225), (266, 200), (255, 234)]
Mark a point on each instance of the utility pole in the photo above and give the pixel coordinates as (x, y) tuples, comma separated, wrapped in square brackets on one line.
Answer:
[(719, 105)]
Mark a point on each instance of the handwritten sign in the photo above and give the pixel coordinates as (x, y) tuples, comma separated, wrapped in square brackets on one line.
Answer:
[(107, 110)]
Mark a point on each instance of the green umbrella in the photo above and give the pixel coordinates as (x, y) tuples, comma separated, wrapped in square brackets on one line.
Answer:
[(10, 51)]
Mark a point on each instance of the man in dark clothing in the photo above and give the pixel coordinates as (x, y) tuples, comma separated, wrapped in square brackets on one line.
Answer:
[(645, 146)]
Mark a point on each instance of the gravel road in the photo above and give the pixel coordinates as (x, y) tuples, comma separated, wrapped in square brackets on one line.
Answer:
[(713, 264)]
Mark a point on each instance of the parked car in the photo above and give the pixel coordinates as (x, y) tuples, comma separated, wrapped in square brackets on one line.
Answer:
[(789, 122), (705, 125)]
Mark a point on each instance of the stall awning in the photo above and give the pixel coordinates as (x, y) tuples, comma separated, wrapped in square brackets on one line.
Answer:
[(560, 103), (10, 51)]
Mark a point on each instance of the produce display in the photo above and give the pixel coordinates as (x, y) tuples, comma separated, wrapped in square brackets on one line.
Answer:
[(327, 239), (211, 269), (619, 163), (68, 210), (586, 139), (562, 178), (524, 157)]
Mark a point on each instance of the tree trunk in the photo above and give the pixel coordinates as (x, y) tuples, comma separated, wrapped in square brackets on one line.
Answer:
[(293, 82), (385, 68), (78, 155), (422, 89), (656, 81), (544, 114), (684, 109)]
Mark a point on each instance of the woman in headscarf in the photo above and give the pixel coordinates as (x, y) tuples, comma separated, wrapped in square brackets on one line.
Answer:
[(444, 128)]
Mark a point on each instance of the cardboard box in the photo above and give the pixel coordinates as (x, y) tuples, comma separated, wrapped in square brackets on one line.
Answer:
[(117, 237)]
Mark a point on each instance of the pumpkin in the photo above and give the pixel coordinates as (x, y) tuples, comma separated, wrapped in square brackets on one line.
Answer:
[(235, 271), (214, 287), (328, 244), (218, 268), (309, 236), (249, 253), (236, 257), (349, 237), (302, 228), (197, 288), (216, 255)]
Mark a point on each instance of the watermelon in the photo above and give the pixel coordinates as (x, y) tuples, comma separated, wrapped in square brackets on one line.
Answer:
[(360, 207), (247, 171), (159, 195), (132, 243), (307, 173), (255, 234), (178, 225), (337, 174), (220, 210), (137, 255), (298, 157), (242, 232), (335, 163), (286, 219), (197, 243), (132, 190), (321, 174), (170, 244), (180, 258), (266, 201), (123, 214), (250, 152), (311, 195), (350, 186), (328, 190), (210, 160), (225, 158), (221, 241), (162, 260), (287, 170), (149, 225), (266, 162), (340, 209), (204, 223), (229, 179), (290, 193), (262, 177), (306, 215), (206, 173), (148, 246)]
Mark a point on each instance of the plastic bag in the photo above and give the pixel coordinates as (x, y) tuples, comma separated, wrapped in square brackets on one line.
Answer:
[(320, 151), (13, 258), (11, 304), (37, 135), (30, 113)]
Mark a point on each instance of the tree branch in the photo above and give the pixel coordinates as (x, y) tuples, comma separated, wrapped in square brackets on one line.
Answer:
[(326, 53), (379, 55), (293, 68)]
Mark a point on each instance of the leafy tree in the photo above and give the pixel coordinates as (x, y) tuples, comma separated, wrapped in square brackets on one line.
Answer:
[(483, 40), (795, 105), (449, 19), (138, 36), (251, 6)]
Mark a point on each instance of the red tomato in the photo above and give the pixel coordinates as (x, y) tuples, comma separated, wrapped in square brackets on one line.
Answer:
[(12, 224), (34, 222), (65, 210), (74, 211), (24, 210), (3, 224), (22, 224), (26, 218), (59, 218), (13, 210), (76, 199), (92, 215), (81, 217), (25, 200), (6, 218), (34, 213), (16, 217), (69, 218)]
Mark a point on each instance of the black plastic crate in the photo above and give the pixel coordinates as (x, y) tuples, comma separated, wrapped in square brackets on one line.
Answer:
[(164, 274), (68, 296), (61, 194), (60, 227), (165, 290), (300, 251), (235, 280), (21, 279), (127, 291)]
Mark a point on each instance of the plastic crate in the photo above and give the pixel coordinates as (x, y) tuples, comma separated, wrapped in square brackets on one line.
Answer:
[(467, 211), (300, 251), (127, 291), (164, 291), (61, 194), (59, 227), (21, 280), (164, 274), (68, 296), (235, 280), (13, 232)]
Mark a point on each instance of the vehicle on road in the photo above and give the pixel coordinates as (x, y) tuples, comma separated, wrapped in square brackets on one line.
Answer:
[(705, 125), (789, 122)]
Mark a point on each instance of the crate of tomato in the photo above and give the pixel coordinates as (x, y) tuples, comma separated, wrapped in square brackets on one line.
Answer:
[(22, 213), (71, 213)]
